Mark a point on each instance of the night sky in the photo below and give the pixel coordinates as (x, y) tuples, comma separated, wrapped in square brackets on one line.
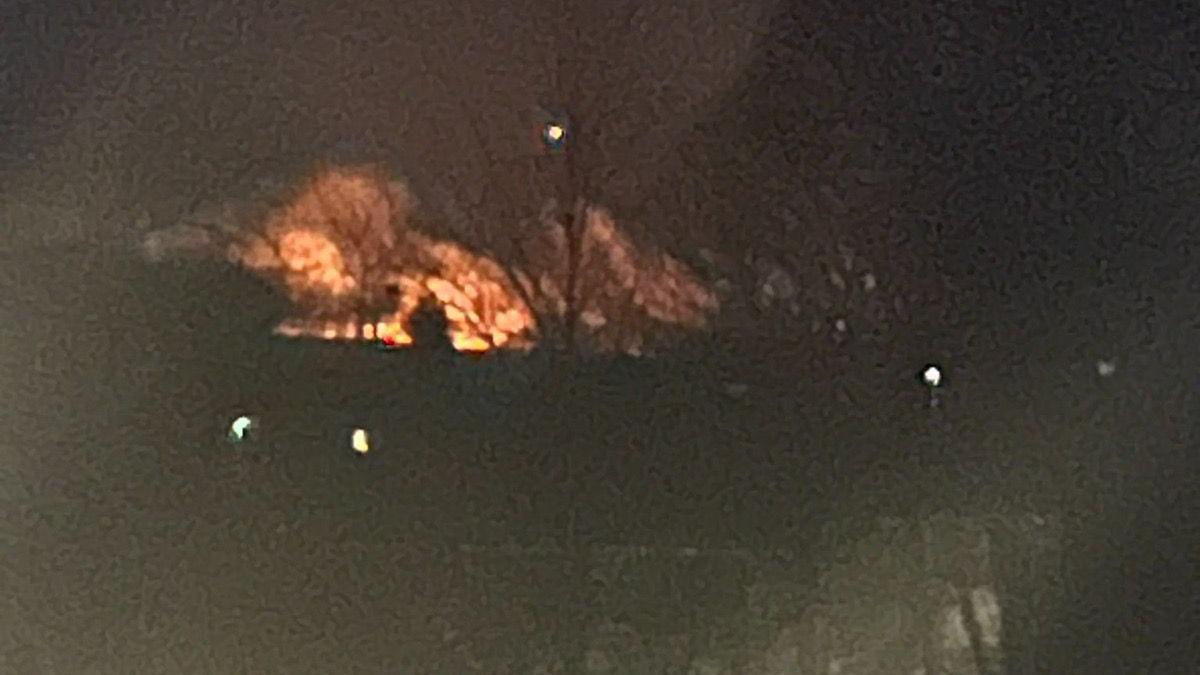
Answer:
[(201, 96), (1024, 174), (999, 152)]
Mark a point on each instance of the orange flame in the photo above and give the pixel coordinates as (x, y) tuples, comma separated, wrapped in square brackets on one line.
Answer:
[(345, 251)]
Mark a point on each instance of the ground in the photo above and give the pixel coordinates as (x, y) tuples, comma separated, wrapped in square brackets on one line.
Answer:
[(142, 542)]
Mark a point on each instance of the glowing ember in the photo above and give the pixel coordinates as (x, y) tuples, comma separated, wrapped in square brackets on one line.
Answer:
[(470, 343)]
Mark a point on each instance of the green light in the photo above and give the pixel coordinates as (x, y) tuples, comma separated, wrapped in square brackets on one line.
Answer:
[(240, 427)]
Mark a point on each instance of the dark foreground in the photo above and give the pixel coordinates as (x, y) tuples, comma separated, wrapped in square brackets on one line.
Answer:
[(491, 528)]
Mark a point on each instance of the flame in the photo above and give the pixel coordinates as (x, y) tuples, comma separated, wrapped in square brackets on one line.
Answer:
[(392, 334), (314, 262), (346, 253), (470, 343)]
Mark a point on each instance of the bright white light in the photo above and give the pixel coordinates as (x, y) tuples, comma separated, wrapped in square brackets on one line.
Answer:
[(240, 427), (1106, 368), (555, 132), (932, 376), (360, 442)]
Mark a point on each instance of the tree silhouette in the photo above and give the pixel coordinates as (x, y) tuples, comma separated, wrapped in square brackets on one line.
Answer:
[(565, 162), (334, 241)]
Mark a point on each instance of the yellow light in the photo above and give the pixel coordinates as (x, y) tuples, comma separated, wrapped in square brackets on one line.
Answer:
[(555, 132), (470, 343), (240, 427), (392, 334), (359, 441)]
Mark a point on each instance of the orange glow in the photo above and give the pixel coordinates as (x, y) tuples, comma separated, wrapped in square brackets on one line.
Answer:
[(391, 334), (344, 249), (470, 343)]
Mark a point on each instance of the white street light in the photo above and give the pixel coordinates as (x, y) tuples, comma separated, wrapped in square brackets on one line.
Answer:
[(932, 376)]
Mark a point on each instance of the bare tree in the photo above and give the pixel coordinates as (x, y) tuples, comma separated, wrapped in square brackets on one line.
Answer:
[(509, 217), (366, 212), (566, 161), (334, 243), (577, 147)]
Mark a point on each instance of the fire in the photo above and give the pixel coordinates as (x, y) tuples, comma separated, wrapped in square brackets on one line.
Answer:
[(391, 334), (473, 327), (346, 251), (314, 262), (470, 343)]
